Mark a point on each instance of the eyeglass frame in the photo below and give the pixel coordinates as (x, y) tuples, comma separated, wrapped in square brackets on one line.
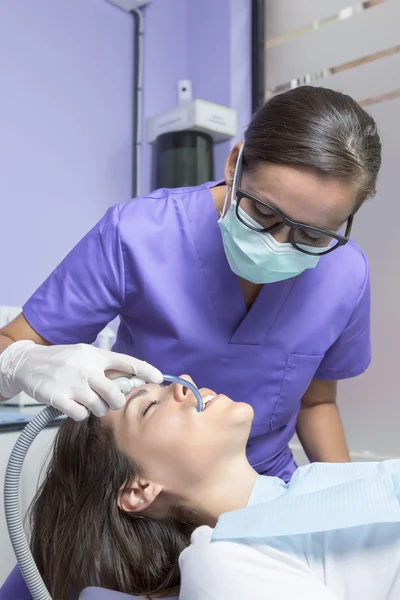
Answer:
[(293, 225)]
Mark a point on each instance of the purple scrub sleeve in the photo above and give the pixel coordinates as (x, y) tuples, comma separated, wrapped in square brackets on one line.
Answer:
[(350, 355), (158, 262)]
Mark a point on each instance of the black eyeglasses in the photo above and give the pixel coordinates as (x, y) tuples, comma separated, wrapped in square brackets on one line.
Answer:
[(260, 216)]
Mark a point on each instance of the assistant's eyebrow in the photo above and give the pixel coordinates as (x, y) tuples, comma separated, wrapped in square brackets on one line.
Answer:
[(259, 196), (272, 204)]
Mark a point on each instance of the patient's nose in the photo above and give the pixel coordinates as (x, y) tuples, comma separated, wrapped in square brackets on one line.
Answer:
[(187, 377), (181, 392)]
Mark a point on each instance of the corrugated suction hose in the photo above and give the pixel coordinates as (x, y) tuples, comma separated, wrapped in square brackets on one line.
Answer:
[(12, 504)]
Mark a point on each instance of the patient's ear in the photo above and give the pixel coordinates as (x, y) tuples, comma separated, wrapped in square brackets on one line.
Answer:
[(138, 495)]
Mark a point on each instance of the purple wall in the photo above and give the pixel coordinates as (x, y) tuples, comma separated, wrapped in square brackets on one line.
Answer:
[(65, 130), (66, 111), (220, 59), (165, 63)]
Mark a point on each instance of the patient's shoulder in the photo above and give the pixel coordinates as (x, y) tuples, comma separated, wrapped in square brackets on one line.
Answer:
[(236, 570), (218, 554), (215, 569)]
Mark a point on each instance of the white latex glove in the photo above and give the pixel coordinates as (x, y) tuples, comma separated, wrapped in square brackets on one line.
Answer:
[(71, 378)]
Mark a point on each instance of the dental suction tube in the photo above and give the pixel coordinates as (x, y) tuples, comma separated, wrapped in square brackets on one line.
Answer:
[(190, 386)]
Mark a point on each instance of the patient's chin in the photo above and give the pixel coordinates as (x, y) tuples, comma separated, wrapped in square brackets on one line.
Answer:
[(243, 415)]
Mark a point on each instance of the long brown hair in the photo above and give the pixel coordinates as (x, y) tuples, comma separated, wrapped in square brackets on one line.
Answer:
[(318, 128), (79, 536)]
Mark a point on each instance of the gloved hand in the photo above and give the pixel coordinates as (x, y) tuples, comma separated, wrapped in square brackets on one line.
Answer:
[(71, 378)]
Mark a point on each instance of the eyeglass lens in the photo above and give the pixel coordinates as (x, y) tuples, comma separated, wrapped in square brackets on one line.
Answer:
[(259, 217)]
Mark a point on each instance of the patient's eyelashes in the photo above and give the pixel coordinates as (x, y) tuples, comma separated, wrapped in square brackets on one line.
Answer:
[(148, 406)]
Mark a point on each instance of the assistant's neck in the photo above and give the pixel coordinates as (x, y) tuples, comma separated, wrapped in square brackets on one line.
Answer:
[(218, 194), (223, 492)]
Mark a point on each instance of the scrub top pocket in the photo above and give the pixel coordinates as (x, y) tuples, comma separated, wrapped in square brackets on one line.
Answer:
[(299, 372)]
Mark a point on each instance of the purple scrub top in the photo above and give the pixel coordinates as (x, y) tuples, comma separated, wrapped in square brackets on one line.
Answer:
[(158, 262)]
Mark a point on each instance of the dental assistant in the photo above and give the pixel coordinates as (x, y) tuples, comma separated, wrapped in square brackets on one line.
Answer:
[(251, 285)]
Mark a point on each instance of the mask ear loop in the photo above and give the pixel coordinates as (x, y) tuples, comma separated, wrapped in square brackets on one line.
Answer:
[(190, 386), (234, 183)]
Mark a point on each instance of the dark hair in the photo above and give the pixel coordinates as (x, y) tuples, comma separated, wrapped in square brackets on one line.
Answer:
[(79, 536), (317, 128)]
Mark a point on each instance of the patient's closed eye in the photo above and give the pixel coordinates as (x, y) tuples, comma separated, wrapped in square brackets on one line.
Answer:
[(140, 392), (148, 406)]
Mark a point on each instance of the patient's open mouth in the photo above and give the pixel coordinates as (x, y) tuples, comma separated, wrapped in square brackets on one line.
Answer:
[(208, 400)]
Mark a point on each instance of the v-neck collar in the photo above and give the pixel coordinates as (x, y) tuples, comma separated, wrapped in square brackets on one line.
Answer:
[(239, 325)]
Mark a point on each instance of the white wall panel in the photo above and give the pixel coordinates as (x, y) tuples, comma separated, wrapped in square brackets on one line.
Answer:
[(370, 404), (283, 16), (367, 80), (370, 31)]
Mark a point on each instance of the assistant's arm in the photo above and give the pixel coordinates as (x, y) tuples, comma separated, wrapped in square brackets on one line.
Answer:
[(319, 426), (18, 329)]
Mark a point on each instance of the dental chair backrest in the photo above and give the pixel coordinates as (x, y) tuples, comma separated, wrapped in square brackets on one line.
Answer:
[(15, 588), (33, 588)]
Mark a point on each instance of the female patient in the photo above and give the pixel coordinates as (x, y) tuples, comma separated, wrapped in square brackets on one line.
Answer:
[(124, 493)]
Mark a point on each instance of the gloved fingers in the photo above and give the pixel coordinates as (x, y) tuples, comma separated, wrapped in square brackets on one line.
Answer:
[(107, 390), (145, 371), (88, 397), (128, 364), (112, 374), (68, 406)]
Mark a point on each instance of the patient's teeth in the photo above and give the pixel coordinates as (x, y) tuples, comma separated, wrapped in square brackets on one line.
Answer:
[(207, 399)]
